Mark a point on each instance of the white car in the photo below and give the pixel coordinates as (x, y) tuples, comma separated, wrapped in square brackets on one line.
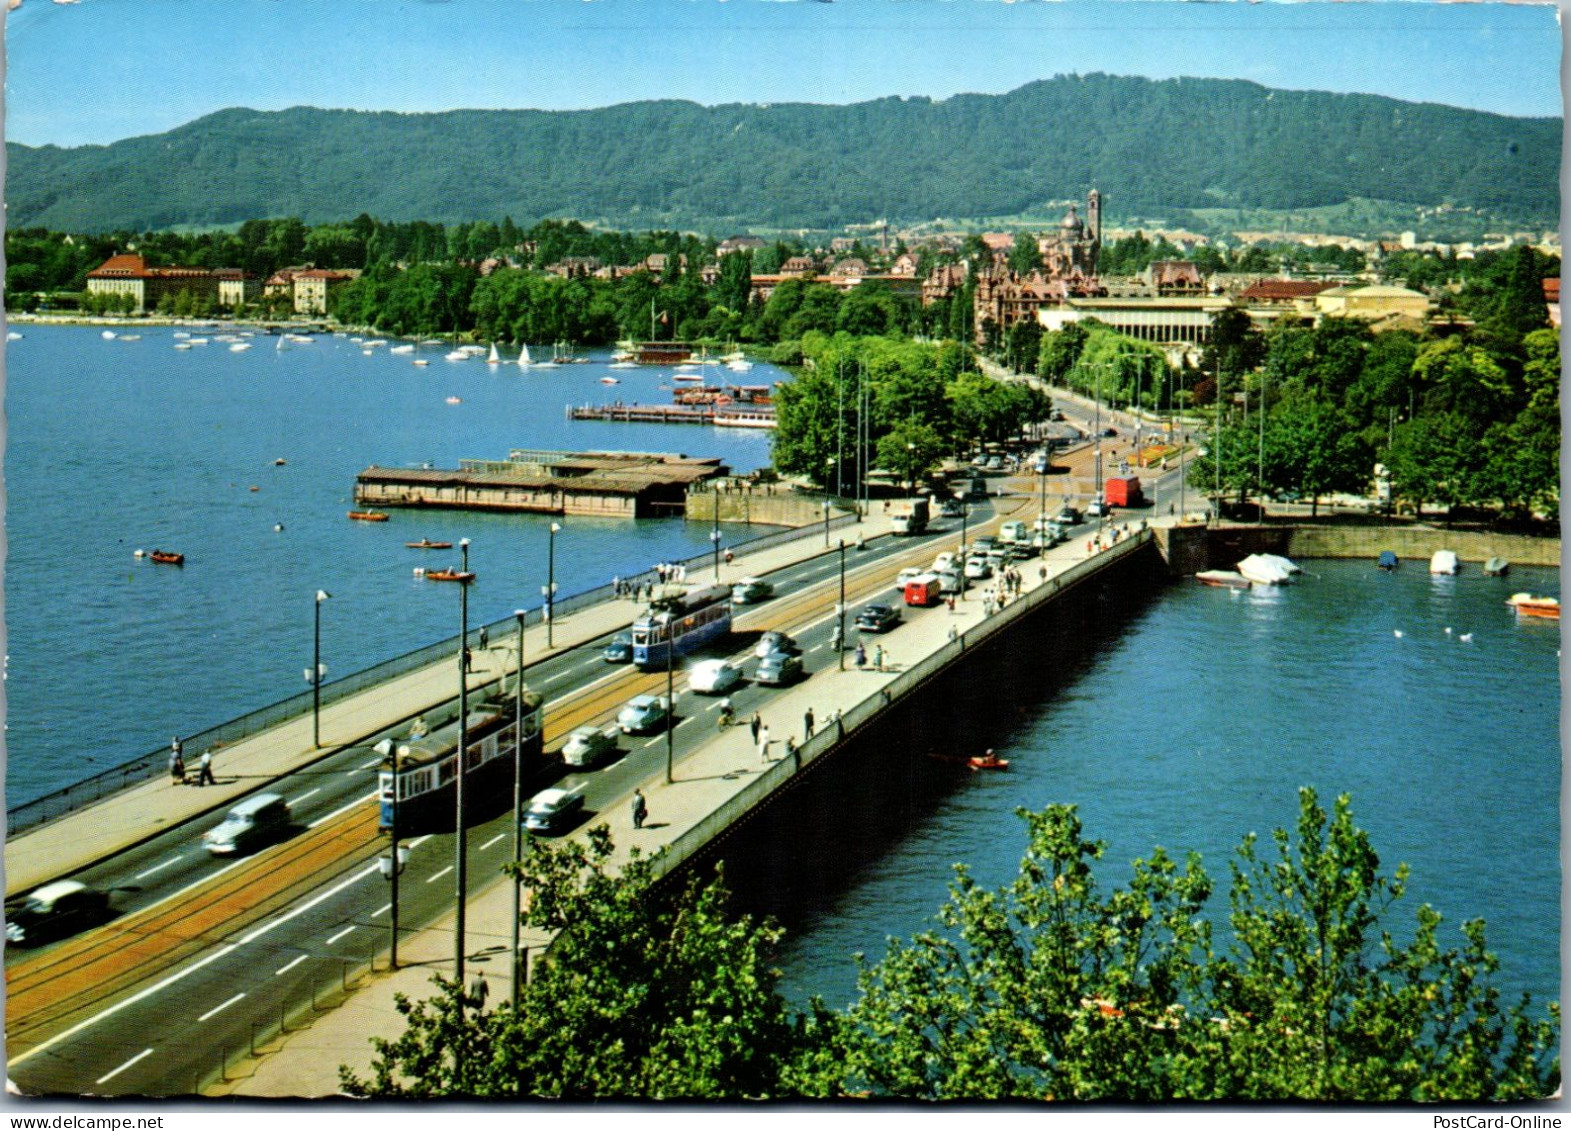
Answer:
[(711, 677), (978, 569), (944, 562), (910, 573)]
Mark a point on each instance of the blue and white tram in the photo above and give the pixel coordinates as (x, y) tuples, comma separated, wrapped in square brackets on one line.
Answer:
[(425, 763), (685, 621)]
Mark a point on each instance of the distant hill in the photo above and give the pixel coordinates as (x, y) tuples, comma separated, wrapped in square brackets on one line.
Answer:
[(1149, 146)]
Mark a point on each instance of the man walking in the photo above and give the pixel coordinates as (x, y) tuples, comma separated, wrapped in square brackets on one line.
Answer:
[(640, 809), (754, 724), (205, 773), (763, 743), (807, 725)]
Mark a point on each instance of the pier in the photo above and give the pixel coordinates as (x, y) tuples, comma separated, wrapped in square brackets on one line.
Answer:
[(719, 416)]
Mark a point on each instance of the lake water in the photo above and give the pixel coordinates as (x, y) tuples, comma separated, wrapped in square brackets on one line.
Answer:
[(1195, 723), (114, 446)]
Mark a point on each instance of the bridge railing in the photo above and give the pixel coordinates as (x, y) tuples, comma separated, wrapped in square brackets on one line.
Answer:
[(147, 766)]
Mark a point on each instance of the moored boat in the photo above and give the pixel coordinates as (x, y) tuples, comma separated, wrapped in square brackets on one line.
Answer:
[(427, 544), (1496, 567), (368, 516), (1528, 605), (450, 575), (1222, 579), (1444, 562), (1265, 569), (1387, 561), (167, 557)]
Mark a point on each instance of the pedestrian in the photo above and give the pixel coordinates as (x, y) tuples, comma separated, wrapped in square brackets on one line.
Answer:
[(176, 765), (861, 654), (951, 600), (485, 637), (1169, 510), (616, 586), (1042, 574), (790, 747), (763, 743), (205, 773), (479, 990), (878, 657), (640, 808), (807, 725), (729, 556), (954, 633), (755, 724)]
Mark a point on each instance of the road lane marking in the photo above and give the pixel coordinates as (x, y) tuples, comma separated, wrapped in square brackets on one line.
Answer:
[(386, 907), (339, 935), (373, 870), (492, 841), (158, 868), (291, 966), (309, 793), (440, 874), (344, 809), (367, 765), (217, 1009), (139, 1056)]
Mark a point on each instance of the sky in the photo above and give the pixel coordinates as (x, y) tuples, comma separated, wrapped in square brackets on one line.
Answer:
[(96, 71)]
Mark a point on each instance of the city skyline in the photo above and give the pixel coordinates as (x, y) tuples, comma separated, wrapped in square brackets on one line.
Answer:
[(431, 55)]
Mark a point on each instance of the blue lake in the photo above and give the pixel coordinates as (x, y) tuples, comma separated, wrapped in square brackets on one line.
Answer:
[(114, 446)]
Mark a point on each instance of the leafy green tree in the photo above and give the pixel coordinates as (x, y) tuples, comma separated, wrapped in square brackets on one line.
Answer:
[(638, 997), (909, 450), (1310, 449), (1437, 458), (1060, 352), (1025, 257)]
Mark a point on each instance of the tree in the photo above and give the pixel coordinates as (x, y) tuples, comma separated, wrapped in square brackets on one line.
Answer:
[(909, 449), (1025, 257), (1055, 990), (638, 996), (1436, 458)]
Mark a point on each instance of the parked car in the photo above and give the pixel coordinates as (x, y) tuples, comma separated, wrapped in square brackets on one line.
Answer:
[(778, 668), (776, 641), (1012, 532), (643, 713), (620, 650), (984, 543), (951, 581), (944, 561), (751, 589), (589, 746), (878, 618), (550, 809), (977, 568), (1067, 517), (54, 911), (713, 677), (1044, 540), (1096, 508), (995, 463), (906, 575)]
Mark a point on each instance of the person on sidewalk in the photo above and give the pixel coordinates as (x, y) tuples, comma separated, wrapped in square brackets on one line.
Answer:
[(861, 655), (807, 725), (878, 657), (205, 774), (640, 809), (485, 637), (754, 724), (479, 990), (176, 765), (763, 743)]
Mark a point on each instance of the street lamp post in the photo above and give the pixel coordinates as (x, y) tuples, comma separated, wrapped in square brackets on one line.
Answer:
[(518, 799), (460, 844), (840, 610), (315, 674), (670, 697), (714, 531), (392, 866), (550, 589)]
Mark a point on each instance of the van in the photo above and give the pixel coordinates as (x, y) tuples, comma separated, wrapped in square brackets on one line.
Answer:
[(254, 822), (923, 590)]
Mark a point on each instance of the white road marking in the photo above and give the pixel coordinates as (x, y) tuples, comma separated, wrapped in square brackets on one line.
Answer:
[(440, 874), (291, 966), (342, 810), (217, 1009), (382, 910), (123, 1067), (158, 868), (308, 793), (373, 870), (492, 841), (339, 935), (367, 765)]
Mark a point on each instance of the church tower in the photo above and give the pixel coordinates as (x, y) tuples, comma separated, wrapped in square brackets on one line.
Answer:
[(1094, 217)]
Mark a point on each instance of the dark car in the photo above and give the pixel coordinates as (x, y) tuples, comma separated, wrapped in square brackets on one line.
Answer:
[(550, 809), (778, 668), (877, 618), (620, 650), (775, 641), (54, 911), (1068, 517)]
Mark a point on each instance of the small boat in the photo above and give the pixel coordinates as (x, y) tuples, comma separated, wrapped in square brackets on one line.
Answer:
[(12, 336), (237, 347), (493, 358), (107, 335), (988, 761), (1263, 570), (368, 516), (1387, 561), (609, 381), (623, 365), (1528, 605), (523, 357), (182, 345), (458, 355), (130, 337), (1222, 579), (1496, 567), (427, 544), (455, 400), (449, 575), (165, 557), (280, 462), (1445, 562), (402, 349)]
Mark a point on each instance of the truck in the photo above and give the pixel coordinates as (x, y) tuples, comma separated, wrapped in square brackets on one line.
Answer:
[(909, 516), (924, 590), (1123, 492)]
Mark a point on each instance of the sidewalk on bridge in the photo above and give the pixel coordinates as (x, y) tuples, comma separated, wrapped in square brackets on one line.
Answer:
[(97, 831), (305, 1063)]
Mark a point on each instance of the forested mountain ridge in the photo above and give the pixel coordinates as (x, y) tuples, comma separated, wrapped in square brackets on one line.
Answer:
[(1148, 145)]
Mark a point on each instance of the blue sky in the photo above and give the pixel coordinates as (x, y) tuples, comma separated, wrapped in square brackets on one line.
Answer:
[(95, 71)]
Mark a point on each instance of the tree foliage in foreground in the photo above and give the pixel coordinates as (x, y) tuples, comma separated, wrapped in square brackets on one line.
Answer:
[(1050, 988)]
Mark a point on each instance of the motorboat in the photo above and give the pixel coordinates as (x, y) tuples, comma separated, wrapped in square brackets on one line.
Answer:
[(402, 349), (238, 347), (462, 576), (1528, 605), (368, 516), (1287, 564), (1444, 562), (107, 335), (1222, 579), (458, 355), (1496, 567), (1264, 569), (609, 381), (455, 400), (1387, 561)]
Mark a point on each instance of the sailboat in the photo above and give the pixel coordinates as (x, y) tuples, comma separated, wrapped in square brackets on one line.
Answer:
[(493, 358), (523, 357)]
